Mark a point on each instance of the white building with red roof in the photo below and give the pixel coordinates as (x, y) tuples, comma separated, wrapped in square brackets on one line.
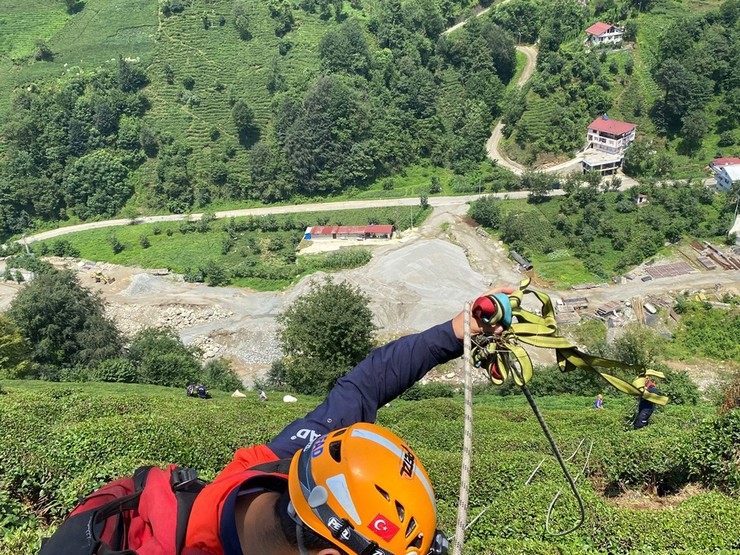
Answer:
[(606, 141), (726, 172), (604, 33), (610, 135)]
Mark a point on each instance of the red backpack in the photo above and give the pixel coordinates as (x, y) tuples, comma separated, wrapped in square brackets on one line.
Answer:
[(146, 514)]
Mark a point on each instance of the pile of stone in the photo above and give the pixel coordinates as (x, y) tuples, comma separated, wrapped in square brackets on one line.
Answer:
[(130, 318)]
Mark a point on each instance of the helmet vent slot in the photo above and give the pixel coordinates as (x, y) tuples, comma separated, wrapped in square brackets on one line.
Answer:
[(410, 529), (416, 541), (401, 511), (382, 492), (335, 450)]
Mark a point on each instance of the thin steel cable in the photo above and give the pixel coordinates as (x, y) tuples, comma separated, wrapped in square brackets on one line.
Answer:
[(560, 460), (462, 507)]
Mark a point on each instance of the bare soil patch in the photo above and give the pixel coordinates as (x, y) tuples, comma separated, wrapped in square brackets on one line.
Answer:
[(641, 501)]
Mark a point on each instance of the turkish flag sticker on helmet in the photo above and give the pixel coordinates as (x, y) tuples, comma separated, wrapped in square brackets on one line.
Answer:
[(383, 527)]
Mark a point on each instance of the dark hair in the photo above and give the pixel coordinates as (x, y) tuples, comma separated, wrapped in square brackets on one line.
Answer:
[(311, 540)]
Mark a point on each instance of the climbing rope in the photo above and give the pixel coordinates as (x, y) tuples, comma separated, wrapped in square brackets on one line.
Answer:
[(502, 355), (462, 507)]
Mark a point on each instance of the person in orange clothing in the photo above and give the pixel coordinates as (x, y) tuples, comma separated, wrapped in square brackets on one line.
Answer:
[(333, 483)]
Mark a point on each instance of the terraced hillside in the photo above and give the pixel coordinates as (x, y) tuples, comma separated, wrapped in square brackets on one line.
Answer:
[(99, 33)]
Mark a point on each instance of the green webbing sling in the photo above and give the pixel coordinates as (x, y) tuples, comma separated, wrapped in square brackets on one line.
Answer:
[(498, 354)]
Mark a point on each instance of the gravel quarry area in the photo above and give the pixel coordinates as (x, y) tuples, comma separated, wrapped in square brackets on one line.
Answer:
[(411, 287), (419, 280)]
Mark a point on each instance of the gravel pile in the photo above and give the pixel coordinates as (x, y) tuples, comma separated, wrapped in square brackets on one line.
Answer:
[(143, 284), (133, 317), (256, 345)]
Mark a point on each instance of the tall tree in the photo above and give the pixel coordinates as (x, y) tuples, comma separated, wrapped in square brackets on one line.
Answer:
[(15, 351), (323, 334), (97, 185), (65, 322)]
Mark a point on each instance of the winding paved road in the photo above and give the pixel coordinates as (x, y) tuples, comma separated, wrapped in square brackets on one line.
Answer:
[(492, 144), (290, 209)]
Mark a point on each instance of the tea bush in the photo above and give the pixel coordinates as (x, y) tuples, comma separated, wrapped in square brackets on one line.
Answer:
[(61, 441)]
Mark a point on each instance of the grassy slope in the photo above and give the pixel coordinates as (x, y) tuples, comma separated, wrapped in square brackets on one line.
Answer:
[(102, 31), (218, 56), (158, 425), (181, 251)]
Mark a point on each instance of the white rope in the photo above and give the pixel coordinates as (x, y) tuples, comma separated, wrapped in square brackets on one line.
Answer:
[(462, 507)]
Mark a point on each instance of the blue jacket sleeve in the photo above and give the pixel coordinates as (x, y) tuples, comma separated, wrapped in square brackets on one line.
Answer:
[(381, 377)]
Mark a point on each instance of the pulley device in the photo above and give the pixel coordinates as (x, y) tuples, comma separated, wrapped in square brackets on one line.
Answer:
[(501, 355)]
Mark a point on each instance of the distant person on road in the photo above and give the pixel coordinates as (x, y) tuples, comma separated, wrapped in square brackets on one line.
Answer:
[(599, 402), (645, 408), (191, 390), (202, 391), (263, 395)]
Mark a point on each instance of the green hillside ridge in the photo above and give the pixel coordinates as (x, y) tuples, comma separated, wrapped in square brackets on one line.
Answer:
[(328, 98), (80, 42)]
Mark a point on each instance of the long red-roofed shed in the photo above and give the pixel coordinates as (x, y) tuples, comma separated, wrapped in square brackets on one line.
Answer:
[(350, 230)]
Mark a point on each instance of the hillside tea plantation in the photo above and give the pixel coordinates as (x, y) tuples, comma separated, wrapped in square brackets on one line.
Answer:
[(61, 441)]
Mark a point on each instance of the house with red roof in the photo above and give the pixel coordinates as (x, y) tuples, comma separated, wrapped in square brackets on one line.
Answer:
[(604, 33), (606, 141), (726, 172), (610, 135)]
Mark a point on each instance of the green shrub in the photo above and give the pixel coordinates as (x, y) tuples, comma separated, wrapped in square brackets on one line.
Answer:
[(115, 244), (218, 374), (116, 370), (430, 390), (713, 455), (161, 358), (680, 388)]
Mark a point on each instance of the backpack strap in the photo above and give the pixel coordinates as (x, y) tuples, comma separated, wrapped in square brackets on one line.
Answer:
[(281, 466), (186, 485)]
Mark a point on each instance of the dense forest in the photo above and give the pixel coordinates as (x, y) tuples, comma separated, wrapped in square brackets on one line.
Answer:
[(235, 101), (374, 103)]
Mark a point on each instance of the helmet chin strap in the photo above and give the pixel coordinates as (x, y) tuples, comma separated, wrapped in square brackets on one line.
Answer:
[(298, 529), (299, 536)]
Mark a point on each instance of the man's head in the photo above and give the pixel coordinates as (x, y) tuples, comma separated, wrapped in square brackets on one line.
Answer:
[(363, 490)]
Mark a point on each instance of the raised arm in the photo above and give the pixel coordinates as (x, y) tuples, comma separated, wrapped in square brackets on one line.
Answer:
[(387, 372)]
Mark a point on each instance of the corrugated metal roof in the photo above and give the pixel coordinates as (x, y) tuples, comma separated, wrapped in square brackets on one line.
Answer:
[(599, 28), (351, 229)]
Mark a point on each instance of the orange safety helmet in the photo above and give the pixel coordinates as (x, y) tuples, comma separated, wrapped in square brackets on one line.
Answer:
[(363, 489)]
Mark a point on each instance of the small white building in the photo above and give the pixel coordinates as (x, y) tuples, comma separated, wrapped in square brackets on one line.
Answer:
[(603, 33), (726, 172)]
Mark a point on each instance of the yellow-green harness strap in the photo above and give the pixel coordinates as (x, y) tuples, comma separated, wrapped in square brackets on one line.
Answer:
[(542, 331)]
